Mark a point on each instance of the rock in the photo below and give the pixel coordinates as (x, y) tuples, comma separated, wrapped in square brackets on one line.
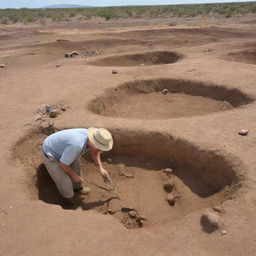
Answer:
[(168, 171), (54, 113), (74, 53), (2, 66), (67, 55), (171, 199), (165, 91), (168, 187), (58, 65), (243, 132), (114, 72), (109, 160), (223, 232), (210, 218), (132, 214), (48, 108)]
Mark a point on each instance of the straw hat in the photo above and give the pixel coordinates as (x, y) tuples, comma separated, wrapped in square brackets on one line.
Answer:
[(100, 138)]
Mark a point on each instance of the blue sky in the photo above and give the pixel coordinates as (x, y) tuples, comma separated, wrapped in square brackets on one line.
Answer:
[(42, 3)]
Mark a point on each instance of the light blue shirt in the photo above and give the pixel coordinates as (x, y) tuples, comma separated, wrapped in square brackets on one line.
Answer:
[(65, 146)]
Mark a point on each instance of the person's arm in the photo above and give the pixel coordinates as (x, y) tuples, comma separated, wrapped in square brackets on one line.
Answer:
[(69, 171), (97, 160)]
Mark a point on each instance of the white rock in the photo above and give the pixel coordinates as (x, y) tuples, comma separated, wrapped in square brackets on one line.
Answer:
[(211, 218), (243, 132)]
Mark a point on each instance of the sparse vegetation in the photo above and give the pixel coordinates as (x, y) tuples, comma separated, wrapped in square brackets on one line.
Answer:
[(10, 16)]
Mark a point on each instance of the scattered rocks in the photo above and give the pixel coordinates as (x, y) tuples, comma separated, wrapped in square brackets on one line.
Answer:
[(243, 132), (165, 91), (114, 72), (91, 53), (2, 66), (210, 218), (54, 113)]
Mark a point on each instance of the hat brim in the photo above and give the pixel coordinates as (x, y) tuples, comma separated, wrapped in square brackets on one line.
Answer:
[(98, 145)]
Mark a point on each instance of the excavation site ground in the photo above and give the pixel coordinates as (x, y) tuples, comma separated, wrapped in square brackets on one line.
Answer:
[(179, 101)]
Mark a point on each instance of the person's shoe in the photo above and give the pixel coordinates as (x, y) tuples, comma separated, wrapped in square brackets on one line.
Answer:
[(82, 190)]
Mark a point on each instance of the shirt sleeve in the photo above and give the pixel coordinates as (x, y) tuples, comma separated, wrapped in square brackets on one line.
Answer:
[(70, 153)]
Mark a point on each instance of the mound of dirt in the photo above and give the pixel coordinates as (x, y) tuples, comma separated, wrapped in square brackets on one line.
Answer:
[(185, 98), (142, 59), (199, 180)]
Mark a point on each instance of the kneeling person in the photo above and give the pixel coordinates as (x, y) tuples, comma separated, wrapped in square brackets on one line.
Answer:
[(61, 153)]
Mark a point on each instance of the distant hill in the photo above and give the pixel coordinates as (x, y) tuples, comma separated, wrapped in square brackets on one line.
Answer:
[(66, 6)]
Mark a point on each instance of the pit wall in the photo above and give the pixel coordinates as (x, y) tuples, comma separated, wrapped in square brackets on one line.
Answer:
[(219, 170)]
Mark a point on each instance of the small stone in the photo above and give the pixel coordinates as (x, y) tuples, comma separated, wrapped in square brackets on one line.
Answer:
[(109, 160), (168, 187), (168, 171), (53, 113), (50, 123), (223, 232), (132, 214), (114, 72), (165, 91), (48, 108), (210, 218), (2, 66), (74, 53), (64, 107), (58, 65), (171, 199), (243, 132)]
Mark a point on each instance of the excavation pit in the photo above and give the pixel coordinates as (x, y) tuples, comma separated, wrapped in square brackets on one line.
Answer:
[(142, 59), (166, 98), (200, 179), (246, 56)]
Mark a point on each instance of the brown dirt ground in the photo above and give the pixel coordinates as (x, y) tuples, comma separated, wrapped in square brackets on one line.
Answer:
[(190, 133)]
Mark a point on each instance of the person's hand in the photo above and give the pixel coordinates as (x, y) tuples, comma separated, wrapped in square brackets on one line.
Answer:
[(105, 174), (76, 179)]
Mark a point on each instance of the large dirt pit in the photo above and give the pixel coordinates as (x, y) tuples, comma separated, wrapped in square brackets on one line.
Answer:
[(141, 59), (166, 98), (158, 180)]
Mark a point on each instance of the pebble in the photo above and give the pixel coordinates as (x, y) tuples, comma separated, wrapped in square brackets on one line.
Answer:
[(168, 171), (64, 107), (53, 113), (223, 232), (2, 66), (132, 214), (165, 91), (114, 72), (48, 108), (243, 132), (218, 209), (109, 160), (211, 218), (170, 199), (58, 65)]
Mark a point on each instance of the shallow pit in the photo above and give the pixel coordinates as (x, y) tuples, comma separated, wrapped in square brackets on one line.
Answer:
[(141, 59), (246, 56), (137, 166), (144, 99)]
